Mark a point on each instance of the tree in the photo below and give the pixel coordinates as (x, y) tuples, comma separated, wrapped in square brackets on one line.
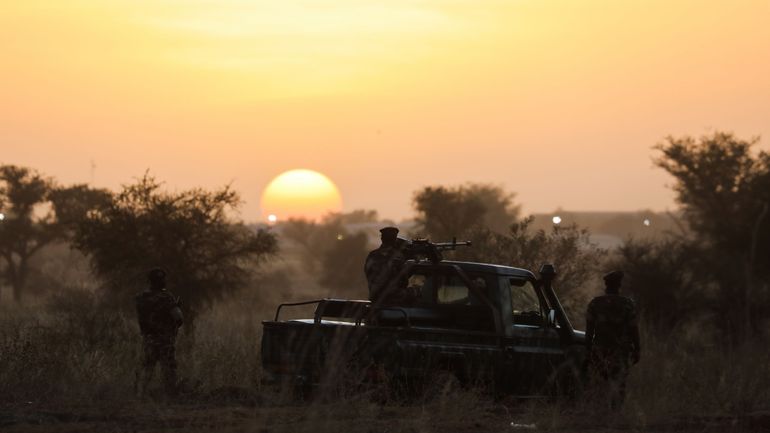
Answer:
[(720, 184), (333, 248), (723, 187), (444, 213), (342, 266), (662, 277), (314, 239), (27, 225), (569, 248), (358, 216), (73, 204), (187, 233)]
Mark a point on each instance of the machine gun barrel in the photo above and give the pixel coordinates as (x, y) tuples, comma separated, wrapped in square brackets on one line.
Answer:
[(450, 246), (432, 250)]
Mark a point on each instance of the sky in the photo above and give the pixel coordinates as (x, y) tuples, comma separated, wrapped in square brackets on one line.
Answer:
[(559, 101)]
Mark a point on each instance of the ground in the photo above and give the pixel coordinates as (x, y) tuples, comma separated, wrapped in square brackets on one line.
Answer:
[(352, 415)]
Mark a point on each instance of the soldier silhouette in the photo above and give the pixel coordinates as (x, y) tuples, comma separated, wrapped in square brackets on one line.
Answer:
[(612, 339), (383, 264), (159, 318)]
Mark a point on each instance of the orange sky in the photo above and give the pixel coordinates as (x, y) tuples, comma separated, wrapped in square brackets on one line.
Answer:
[(559, 101)]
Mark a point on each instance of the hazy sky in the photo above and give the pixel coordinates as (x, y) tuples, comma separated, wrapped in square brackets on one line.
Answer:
[(559, 101)]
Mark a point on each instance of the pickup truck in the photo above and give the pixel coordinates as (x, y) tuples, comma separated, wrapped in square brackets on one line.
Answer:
[(499, 326)]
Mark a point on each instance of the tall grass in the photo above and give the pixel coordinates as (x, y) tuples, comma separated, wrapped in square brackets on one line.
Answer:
[(71, 349), (699, 378)]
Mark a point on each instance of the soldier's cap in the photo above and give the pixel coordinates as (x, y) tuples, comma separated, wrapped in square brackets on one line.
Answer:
[(156, 274), (390, 230), (614, 277)]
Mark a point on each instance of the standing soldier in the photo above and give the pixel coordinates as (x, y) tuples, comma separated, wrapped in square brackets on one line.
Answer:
[(383, 264), (159, 319), (612, 338)]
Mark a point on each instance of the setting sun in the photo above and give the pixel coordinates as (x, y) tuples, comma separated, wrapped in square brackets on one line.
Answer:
[(300, 194)]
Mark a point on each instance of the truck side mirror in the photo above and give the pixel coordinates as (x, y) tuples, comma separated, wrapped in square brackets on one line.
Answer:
[(551, 318)]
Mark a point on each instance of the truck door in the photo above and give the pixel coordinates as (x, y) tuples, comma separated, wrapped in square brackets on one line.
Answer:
[(533, 347)]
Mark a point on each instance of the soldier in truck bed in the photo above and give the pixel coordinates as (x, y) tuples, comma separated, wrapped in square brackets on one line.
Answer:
[(159, 318), (612, 338), (384, 263)]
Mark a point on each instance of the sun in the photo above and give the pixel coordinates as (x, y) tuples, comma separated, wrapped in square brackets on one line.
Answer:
[(300, 193)]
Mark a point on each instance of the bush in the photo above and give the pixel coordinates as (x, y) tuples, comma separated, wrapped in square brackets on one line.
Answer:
[(577, 260)]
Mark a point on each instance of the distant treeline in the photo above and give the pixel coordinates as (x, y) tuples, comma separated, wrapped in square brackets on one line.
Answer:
[(707, 264)]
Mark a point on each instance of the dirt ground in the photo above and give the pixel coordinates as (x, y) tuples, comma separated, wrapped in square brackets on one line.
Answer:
[(349, 416)]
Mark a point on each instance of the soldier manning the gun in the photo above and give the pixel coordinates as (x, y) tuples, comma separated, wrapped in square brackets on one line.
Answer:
[(612, 338), (384, 263), (159, 319)]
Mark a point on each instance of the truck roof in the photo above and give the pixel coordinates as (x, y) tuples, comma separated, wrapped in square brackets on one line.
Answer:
[(507, 271)]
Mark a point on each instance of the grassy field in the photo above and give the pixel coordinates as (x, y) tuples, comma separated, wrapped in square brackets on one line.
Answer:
[(68, 365)]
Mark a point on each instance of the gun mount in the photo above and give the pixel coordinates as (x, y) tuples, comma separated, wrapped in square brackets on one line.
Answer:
[(423, 248)]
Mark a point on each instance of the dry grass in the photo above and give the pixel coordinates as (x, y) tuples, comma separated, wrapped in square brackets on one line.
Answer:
[(69, 366)]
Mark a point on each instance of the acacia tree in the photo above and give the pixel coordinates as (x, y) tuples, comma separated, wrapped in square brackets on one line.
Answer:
[(723, 187), (446, 212), (189, 234), (72, 204), (36, 213), (26, 226)]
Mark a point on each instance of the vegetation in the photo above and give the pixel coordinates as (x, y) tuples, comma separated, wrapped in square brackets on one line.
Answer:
[(702, 292), (71, 366), (333, 250), (444, 212), (661, 277), (188, 233), (35, 214), (23, 233), (578, 261), (723, 188)]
